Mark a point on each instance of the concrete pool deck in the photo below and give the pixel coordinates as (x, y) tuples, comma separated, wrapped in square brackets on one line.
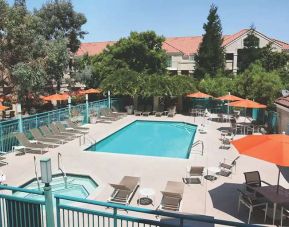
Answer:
[(217, 198)]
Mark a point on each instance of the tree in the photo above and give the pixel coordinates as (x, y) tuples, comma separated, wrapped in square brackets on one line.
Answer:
[(217, 86), (273, 60), (251, 51), (57, 59), (124, 82), (211, 56), (255, 83), (59, 20)]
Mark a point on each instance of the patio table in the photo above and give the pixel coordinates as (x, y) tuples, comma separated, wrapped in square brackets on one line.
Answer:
[(271, 194), (244, 120)]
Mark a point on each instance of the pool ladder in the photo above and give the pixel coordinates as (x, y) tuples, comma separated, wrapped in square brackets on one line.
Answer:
[(88, 140), (198, 142), (61, 168), (36, 173)]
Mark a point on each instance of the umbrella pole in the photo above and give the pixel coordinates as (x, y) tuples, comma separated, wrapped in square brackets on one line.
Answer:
[(278, 179)]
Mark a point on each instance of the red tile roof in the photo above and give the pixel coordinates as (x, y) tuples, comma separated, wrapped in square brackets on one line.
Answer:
[(183, 45), (285, 46), (283, 101)]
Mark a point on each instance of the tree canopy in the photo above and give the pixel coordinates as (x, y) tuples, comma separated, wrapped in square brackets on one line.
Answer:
[(211, 56), (30, 60)]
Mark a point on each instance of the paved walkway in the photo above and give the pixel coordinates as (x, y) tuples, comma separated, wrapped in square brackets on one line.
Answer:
[(217, 198)]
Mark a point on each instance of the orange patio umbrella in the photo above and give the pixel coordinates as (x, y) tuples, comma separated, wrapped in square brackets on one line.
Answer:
[(92, 91), (3, 108), (199, 95), (246, 103), (230, 98), (56, 97), (271, 148)]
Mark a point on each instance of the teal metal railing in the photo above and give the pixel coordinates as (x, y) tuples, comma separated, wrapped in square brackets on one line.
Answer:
[(27, 211), (7, 128), (19, 211), (102, 214)]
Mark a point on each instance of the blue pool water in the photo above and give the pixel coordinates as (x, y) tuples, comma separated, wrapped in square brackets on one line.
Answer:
[(77, 186), (150, 138)]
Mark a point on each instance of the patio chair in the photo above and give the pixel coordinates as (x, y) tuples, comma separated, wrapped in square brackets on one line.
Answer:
[(139, 111), (284, 213), (253, 180), (49, 134), (172, 196), (73, 125), (61, 128), (56, 131), (252, 202), (39, 137), (172, 112), (125, 190), (38, 148), (226, 142), (226, 169), (196, 172)]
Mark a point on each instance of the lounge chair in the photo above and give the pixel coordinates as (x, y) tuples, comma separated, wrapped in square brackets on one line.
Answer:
[(47, 133), (34, 147), (196, 172), (39, 137), (125, 190), (73, 125), (159, 113), (61, 128), (172, 196), (114, 113), (226, 169), (56, 131), (102, 114), (251, 201), (2, 163), (253, 180), (148, 111)]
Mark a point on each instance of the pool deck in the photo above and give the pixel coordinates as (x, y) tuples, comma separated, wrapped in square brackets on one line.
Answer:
[(214, 198)]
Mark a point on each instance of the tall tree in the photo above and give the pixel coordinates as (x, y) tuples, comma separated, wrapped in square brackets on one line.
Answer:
[(58, 19), (251, 51), (211, 56)]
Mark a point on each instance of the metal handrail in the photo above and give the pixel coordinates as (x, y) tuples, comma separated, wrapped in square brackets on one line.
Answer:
[(199, 142), (61, 168), (36, 173)]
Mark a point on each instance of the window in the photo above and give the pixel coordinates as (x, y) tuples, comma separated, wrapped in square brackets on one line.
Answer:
[(191, 57), (229, 56), (169, 61)]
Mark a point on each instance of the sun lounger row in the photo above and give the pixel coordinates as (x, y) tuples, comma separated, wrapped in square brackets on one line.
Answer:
[(124, 191), (107, 114), (170, 113), (50, 136)]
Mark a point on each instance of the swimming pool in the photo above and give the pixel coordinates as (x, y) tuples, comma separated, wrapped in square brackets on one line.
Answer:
[(150, 138), (76, 186)]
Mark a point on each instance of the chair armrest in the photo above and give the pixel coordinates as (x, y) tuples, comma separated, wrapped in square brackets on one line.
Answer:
[(265, 182)]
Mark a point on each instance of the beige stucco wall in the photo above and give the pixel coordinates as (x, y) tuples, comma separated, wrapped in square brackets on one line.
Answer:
[(179, 64), (283, 119)]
